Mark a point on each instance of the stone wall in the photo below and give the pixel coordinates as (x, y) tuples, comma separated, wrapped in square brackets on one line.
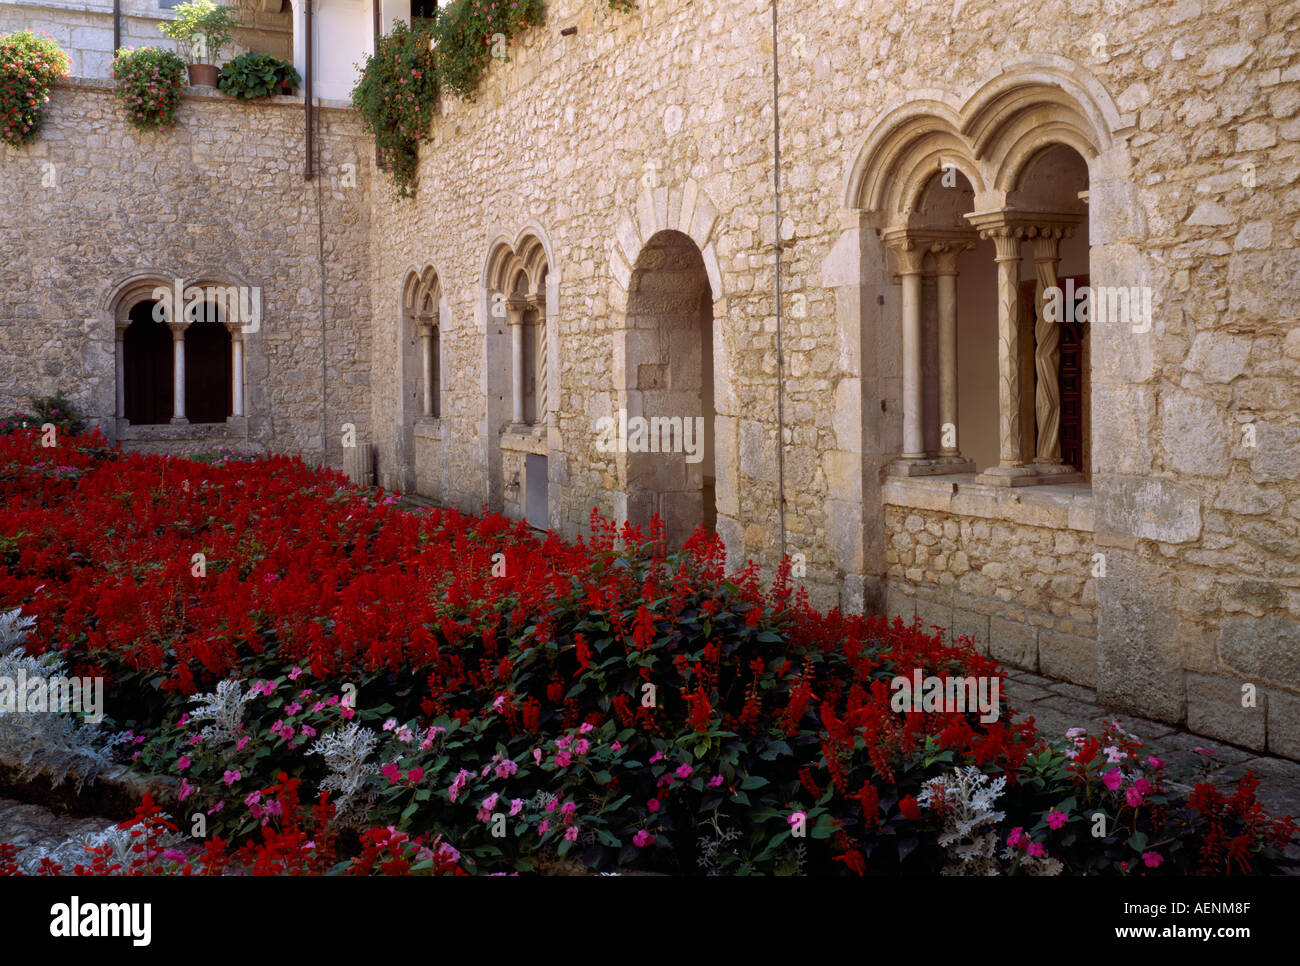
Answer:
[(95, 203), (662, 120), (84, 29), (1014, 571)]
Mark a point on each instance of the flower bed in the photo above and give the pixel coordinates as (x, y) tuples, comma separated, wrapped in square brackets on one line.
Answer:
[(462, 694)]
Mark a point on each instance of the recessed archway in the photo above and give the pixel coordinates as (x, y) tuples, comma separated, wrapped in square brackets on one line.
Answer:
[(668, 425)]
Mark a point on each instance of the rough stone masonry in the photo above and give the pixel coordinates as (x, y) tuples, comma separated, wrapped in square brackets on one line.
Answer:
[(595, 232)]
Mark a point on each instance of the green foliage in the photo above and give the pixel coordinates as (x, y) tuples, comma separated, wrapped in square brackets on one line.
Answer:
[(397, 96), (201, 30), (45, 409), (150, 82), (250, 76), (29, 66), (472, 33), (400, 85)]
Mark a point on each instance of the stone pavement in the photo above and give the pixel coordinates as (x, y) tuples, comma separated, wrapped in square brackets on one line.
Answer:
[(1057, 706), (25, 825)]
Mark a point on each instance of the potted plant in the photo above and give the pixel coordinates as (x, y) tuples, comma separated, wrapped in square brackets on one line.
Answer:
[(201, 30), (250, 76), (287, 78)]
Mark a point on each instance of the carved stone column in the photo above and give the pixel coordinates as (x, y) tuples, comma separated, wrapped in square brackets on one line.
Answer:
[(909, 255), (515, 309), (119, 356), (1006, 236), (946, 254), (178, 373), (541, 383), (1046, 241), (236, 371), (426, 367)]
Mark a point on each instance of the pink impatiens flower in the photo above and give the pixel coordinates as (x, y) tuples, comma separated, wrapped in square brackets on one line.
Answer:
[(715, 781), (1152, 859), (1017, 837), (1133, 796), (231, 776), (182, 762), (1056, 820), (653, 804), (642, 839), (1112, 779), (571, 833), (684, 771)]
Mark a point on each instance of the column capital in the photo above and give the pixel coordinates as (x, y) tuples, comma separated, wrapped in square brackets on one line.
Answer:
[(515, 309), (178, 329), (908, 249), (1008, 227)]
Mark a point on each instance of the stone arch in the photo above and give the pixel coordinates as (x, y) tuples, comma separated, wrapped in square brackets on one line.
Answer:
[(906, 148), (520, 285), (210, 385), (896, 269), (664, 431), (687, 214), (423, 317)]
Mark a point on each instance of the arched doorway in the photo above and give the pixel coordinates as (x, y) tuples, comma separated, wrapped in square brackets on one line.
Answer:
[(667, 429)]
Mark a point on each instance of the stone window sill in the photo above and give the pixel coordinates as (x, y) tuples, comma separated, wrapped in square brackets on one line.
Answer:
[(235, 427), (1067, 506), (531, 440)]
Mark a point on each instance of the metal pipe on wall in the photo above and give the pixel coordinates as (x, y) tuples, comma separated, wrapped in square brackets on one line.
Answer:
[(309, 169), (117, 26)]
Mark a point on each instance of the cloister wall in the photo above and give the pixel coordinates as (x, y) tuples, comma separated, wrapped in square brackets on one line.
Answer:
[(94, 203), (662, 120)]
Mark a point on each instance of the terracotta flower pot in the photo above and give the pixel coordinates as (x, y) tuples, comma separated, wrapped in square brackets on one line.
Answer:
[(203, 75)]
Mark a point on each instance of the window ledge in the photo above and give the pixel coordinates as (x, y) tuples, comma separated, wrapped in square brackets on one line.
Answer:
[(428, 427), (531, 440), (235, 427), (1067, 506)]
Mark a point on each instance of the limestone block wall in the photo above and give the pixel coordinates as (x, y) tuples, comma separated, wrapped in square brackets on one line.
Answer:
[(1014, 571), (95, 203), (84, 28), (661, 120)]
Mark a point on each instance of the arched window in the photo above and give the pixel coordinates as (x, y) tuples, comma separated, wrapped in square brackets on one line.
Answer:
[(517, 358), (207, 365), (147, 358), (178, 370)]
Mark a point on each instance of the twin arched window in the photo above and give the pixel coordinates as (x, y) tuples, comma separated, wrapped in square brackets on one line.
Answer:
[(177, 370)]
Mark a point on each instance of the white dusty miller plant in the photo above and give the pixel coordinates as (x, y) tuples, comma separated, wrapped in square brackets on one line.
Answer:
[(224, 708), (347, 752), (964, 798), (49, 743), (72, 852)]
